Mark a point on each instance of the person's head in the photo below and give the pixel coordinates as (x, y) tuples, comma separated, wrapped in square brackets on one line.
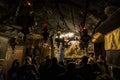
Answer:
[(47, 57), (71, 66), (28, 60), (48, 61), (101, 58), (61, 63), (15, 63), (84, 59), (54, 60)]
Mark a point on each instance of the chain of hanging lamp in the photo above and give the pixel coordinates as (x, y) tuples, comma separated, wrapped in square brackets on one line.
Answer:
[(24, 16)]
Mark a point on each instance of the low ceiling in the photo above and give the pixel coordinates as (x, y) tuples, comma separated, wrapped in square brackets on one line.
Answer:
[(63, 15)]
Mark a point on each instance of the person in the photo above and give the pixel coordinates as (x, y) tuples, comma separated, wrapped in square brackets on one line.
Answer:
[(1, 73), (55, 69), (12, 72), (102, 65), (85, 69), (27, 71), (70, 73), (43, 68)]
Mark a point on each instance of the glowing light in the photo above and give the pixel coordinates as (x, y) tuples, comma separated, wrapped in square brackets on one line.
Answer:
[(61, 36), (70, 34), (66, 36), (29, 4), (56, 37)]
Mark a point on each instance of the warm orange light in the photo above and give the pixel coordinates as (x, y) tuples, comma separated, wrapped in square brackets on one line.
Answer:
[(28, 3)]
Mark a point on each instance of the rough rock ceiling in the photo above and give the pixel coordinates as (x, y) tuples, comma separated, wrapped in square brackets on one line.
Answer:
[(70, 15)]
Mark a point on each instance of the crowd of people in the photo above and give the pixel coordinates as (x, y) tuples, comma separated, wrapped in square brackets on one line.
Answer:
[(52, 69)]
